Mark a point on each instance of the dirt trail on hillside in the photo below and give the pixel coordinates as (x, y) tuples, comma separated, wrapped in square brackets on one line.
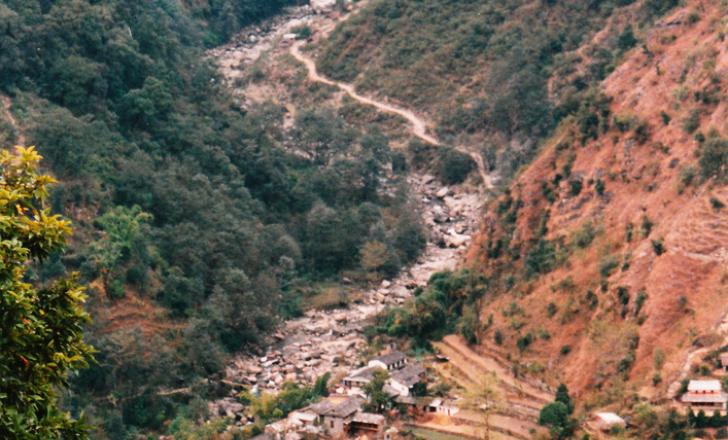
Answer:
[(7, 104), (419, 126)]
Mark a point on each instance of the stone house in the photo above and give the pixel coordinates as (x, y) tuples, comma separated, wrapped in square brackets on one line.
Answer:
[(335, 413)]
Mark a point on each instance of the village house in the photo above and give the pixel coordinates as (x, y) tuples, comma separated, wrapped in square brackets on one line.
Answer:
[(403, 381), (393, 360), (371, 425), (724, 361), (335, 413), (357, 379), (442, 406), (606, 421), (705, 395)]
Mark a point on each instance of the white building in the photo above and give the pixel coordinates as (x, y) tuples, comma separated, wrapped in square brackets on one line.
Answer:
[(705, 395), (391, 361), (605, 421), (403, 381)]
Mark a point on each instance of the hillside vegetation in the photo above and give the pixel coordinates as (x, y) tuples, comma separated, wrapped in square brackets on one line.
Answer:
[(196, 231), (607, 255), (494, 74)]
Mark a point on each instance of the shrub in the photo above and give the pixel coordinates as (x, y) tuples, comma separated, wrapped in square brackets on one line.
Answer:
[(658, 246), (646, 226), (714, 158), (599, 187), (551, 309), (565, 350), (541, 258), (716, 204), (498, 337), (592, 300), (639, 301), (302, 32), (692, 121), (687, 175), (607, 265), (454, 166), (584, 236), (623, 122), (575, 186), (693, 17), (524, 342), (665, 118), (626, 39), (642, 132)]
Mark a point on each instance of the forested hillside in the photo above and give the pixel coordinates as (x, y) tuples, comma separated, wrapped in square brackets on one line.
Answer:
[(196, 231), (494, 74)]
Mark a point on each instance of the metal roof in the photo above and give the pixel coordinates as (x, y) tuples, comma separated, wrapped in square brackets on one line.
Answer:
[(390, 358), (705, 385)]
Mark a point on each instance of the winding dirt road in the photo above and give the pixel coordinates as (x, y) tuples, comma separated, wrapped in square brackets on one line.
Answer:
[(419, 126)]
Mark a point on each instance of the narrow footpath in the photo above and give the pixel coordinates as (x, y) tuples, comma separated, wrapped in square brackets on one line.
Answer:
[(419, 126)]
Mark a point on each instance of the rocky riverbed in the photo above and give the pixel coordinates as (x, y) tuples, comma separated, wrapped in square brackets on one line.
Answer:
[(330, 341)]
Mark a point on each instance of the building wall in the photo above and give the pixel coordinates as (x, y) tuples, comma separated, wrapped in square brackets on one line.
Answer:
[(334, 425)]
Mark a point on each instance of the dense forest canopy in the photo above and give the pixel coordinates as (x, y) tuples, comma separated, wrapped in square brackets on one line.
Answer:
[(182, 200)]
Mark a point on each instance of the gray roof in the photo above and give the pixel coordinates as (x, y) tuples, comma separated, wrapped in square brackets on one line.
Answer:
[(391, 358), (365, 374), (368, 418), (409, 375), (341, 409)]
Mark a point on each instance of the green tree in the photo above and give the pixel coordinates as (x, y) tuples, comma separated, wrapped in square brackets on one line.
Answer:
[(562, 395), (122, 239), (41, 330), (556, 417), (379, 400)]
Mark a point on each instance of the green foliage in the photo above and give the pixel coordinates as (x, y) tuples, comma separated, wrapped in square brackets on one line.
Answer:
[(41, 332), (584, 236), (448, 302), (607, 265), (378, 399), (201, 210), (575, 186), (562, 395), (268, 408), (626, 39), (469, 325), (692, 121), (542, 258), (302, 32), (523, 50), (453, 166), (714, 158), (524, 342), (646, 226), (556, 417), (498, 337), (658, 246)]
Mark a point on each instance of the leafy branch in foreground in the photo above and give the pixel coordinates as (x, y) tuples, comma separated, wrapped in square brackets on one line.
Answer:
[(41, 329)]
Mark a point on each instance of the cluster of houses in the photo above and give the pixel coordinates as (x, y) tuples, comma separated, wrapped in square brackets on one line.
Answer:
[(342, 414)]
